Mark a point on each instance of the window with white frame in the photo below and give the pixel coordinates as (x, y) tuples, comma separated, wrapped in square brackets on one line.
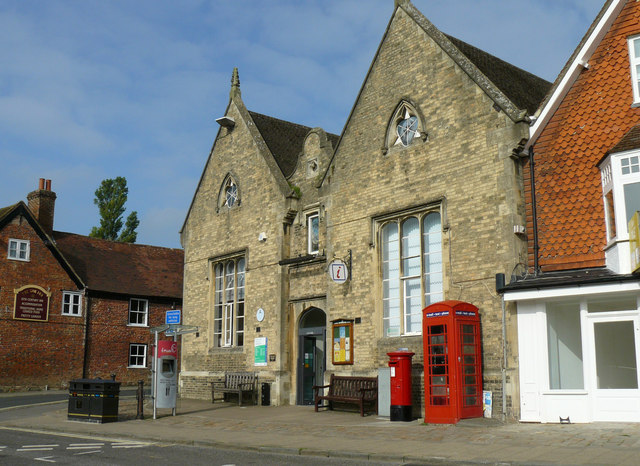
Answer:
[(19, 249), (621, 190), (313, 233), (138, 312), (412, 276), (634, 58), (137, 355), (228, 309), (71, 303)]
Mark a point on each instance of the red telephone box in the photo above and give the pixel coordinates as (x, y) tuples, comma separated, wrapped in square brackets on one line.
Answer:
[(452, 362)]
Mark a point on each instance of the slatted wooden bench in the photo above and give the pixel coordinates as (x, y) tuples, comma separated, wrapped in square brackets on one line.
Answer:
[(236, 382), (346, 389)]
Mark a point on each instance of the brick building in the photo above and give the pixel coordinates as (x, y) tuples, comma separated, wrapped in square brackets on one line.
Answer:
[(578, 305), (72, 306), (418, 197)]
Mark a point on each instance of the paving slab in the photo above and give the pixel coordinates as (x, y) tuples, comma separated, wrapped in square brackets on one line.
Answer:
[(298, 430)]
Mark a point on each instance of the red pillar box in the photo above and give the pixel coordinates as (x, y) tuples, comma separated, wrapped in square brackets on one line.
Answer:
[(452, 362), (401, 405)]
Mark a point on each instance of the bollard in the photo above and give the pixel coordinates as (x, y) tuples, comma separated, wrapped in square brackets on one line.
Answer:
[(140, 398)]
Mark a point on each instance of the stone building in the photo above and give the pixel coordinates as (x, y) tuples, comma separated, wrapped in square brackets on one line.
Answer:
[(74, 307), (420, 198), (578, 306)]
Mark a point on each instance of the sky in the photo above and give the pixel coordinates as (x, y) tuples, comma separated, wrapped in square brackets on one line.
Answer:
[(95, 89)]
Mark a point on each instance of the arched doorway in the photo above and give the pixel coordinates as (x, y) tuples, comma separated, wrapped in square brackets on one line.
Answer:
[(312, 337)]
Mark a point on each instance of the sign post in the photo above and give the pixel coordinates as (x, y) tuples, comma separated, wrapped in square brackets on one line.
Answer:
[(165, 363)]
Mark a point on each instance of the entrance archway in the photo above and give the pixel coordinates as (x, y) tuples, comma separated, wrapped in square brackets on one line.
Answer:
[(312, 338)]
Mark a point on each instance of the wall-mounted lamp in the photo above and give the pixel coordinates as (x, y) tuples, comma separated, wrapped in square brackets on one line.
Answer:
[(226, 122)]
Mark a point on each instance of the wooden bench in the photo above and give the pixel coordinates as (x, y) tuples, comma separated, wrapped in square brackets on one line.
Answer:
[(358, 390), (236, 382)]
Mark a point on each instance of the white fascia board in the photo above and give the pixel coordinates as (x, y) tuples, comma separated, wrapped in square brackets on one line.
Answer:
[(580, 61), (564, 292)]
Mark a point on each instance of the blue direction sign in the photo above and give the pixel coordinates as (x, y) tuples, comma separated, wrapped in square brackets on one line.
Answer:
[(172, 317)]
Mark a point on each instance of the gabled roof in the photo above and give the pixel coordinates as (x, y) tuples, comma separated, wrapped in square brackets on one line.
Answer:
[(284, 139), (505, 84), (124, 268), (10, 212), (5, 211), (109, 266), (524, 89), (578, 61), (515, 91)]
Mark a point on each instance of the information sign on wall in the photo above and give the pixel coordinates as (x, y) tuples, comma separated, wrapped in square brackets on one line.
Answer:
[(342, 342), (338, 271), (260, 351), (31, 303)]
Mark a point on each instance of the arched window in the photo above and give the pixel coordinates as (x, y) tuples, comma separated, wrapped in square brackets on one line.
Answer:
[(411, 249), (405, 127), (229, 196), (228, 312)]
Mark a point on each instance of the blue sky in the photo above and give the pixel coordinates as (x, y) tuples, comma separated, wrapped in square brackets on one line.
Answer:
[(94, 89)]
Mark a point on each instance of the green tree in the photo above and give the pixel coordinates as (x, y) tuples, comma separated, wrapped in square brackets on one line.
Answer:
[(110, 198)]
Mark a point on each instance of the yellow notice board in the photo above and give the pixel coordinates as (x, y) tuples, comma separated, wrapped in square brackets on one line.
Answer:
[(634, 242), (342, 340)]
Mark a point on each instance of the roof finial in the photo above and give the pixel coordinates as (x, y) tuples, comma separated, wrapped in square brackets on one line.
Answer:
[(235, 84)]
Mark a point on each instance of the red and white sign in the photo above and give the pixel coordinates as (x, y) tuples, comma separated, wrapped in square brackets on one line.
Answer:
[(338, 271), (167, 348)]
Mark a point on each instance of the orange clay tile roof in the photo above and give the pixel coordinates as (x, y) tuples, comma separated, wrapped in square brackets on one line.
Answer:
[(593, 117)]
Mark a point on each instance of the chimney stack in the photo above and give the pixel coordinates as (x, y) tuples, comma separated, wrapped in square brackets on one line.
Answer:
[(42, 203)]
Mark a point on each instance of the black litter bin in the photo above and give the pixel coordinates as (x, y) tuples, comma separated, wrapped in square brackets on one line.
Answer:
[(93, 400), (265, 392)]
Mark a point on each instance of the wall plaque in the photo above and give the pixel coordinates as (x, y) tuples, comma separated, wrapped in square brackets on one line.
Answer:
[(31, 303)]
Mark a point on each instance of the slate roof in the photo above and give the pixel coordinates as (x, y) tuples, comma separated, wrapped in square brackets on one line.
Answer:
[(558, 279), (629, 141), (284, 139), (5, 210), (524, 89), (123, 268)]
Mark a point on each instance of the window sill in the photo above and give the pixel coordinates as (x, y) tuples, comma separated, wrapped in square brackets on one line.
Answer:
[(18, 260), (70, 315), (136, 367), (565, 392), (138, 325)]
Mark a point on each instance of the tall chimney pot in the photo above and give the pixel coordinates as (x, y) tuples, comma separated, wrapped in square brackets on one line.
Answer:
[(42, 204)]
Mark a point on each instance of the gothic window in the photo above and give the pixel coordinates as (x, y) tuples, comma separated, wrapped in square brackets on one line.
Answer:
[(228, 312), (229, 196), (405, 127), (411, 249)]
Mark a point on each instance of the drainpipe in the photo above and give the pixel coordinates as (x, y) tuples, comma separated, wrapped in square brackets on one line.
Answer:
[(534, 213), (85, 362), (504, 358)]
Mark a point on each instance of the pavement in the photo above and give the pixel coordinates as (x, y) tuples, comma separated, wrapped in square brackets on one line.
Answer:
[(298, 430)]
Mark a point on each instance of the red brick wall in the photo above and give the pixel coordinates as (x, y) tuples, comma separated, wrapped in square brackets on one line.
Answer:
[(594, 116), (110, 336), (35, 354)]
